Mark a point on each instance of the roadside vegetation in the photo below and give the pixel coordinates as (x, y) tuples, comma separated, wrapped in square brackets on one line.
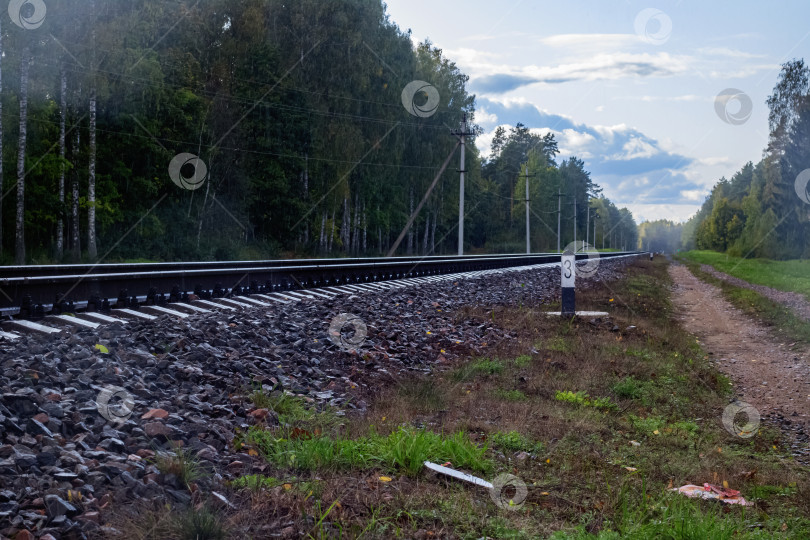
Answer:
[(600, 420), (790, 276), (780, 319)]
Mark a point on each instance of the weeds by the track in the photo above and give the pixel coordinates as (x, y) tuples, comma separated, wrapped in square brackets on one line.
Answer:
[(599, 421)]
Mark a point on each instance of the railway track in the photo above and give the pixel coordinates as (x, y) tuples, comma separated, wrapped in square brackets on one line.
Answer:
[(49, 299)]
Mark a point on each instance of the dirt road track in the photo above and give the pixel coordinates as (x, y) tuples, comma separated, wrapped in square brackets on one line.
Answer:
[(766, 373)]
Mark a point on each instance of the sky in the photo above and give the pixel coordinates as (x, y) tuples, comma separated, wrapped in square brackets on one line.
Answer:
[(660, 99)]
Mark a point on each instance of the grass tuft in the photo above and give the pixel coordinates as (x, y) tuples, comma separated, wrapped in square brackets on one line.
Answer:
[(181, 463)]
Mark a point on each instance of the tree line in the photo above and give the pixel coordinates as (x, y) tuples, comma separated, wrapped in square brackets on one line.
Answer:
[(763, 209), (252, 128)]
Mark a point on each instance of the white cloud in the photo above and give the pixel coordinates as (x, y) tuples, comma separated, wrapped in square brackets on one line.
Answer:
[(693, 194), (731, 53), (711, 161), (600, 41), (483, 117), (652, 212), (636, 148), (499, 78), (687, 97), (575, 141)]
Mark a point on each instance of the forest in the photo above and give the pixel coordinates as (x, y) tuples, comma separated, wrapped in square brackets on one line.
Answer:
[(763, 210), (243, 129)]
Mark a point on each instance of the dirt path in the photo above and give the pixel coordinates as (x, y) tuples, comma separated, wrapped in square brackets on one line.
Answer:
[(795, 301), (765, 372)]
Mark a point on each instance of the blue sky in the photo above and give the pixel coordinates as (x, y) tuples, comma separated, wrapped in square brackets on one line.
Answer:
[(629, 87)]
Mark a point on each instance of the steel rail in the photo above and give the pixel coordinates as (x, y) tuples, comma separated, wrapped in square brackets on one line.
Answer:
[(59, 289)]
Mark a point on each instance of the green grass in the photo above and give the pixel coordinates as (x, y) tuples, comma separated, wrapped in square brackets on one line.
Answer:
[(510, 395), (477, 368), (424, 395), (670, 516), (404, 449), (200, 524), (294, 410), (582, 399), (629, 388), (556, 344), (181, 463), (791, 276), (514, 441), (523, 361), (781, 319)]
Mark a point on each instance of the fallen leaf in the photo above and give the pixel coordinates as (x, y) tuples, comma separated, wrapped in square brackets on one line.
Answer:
[(385, 479), (631, 469), (102, 349)]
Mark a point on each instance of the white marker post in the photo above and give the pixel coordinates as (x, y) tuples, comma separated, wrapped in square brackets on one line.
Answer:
[(568, 267)]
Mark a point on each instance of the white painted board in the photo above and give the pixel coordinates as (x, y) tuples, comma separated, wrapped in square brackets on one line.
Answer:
[(568, 266)]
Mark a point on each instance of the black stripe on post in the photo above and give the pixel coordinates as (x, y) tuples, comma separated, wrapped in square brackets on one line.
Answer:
[(568, 269)]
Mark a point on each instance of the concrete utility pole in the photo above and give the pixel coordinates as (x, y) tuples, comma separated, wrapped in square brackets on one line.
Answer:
[(575, 222), (528, 245), (462, 133), (559, 209), (595, 217), (588, 224)]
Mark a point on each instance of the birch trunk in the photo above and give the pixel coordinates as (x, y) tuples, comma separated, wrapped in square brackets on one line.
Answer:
[(344, 227), (356, 228), (92, 251), (60, 224), (306, 197), (75, 239), (427, 235), (332, 236), (19, 236), (1, 143), (365, 230), (410, 212), (322, 243), (433, 234)]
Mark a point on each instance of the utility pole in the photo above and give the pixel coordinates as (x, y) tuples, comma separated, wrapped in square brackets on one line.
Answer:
[(462, 133), (575, 222), (603, 236), (595, 217), (528, 245), (559, 209), (588, 224)]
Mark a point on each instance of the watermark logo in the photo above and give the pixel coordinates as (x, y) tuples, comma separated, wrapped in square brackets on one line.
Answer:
[(733, 106), (653, 26), (115, 404), (802, 186), (188, 171), (348, 331), (589, 267), (508, 492), (733, 425), (27, 14), (420, 99)]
